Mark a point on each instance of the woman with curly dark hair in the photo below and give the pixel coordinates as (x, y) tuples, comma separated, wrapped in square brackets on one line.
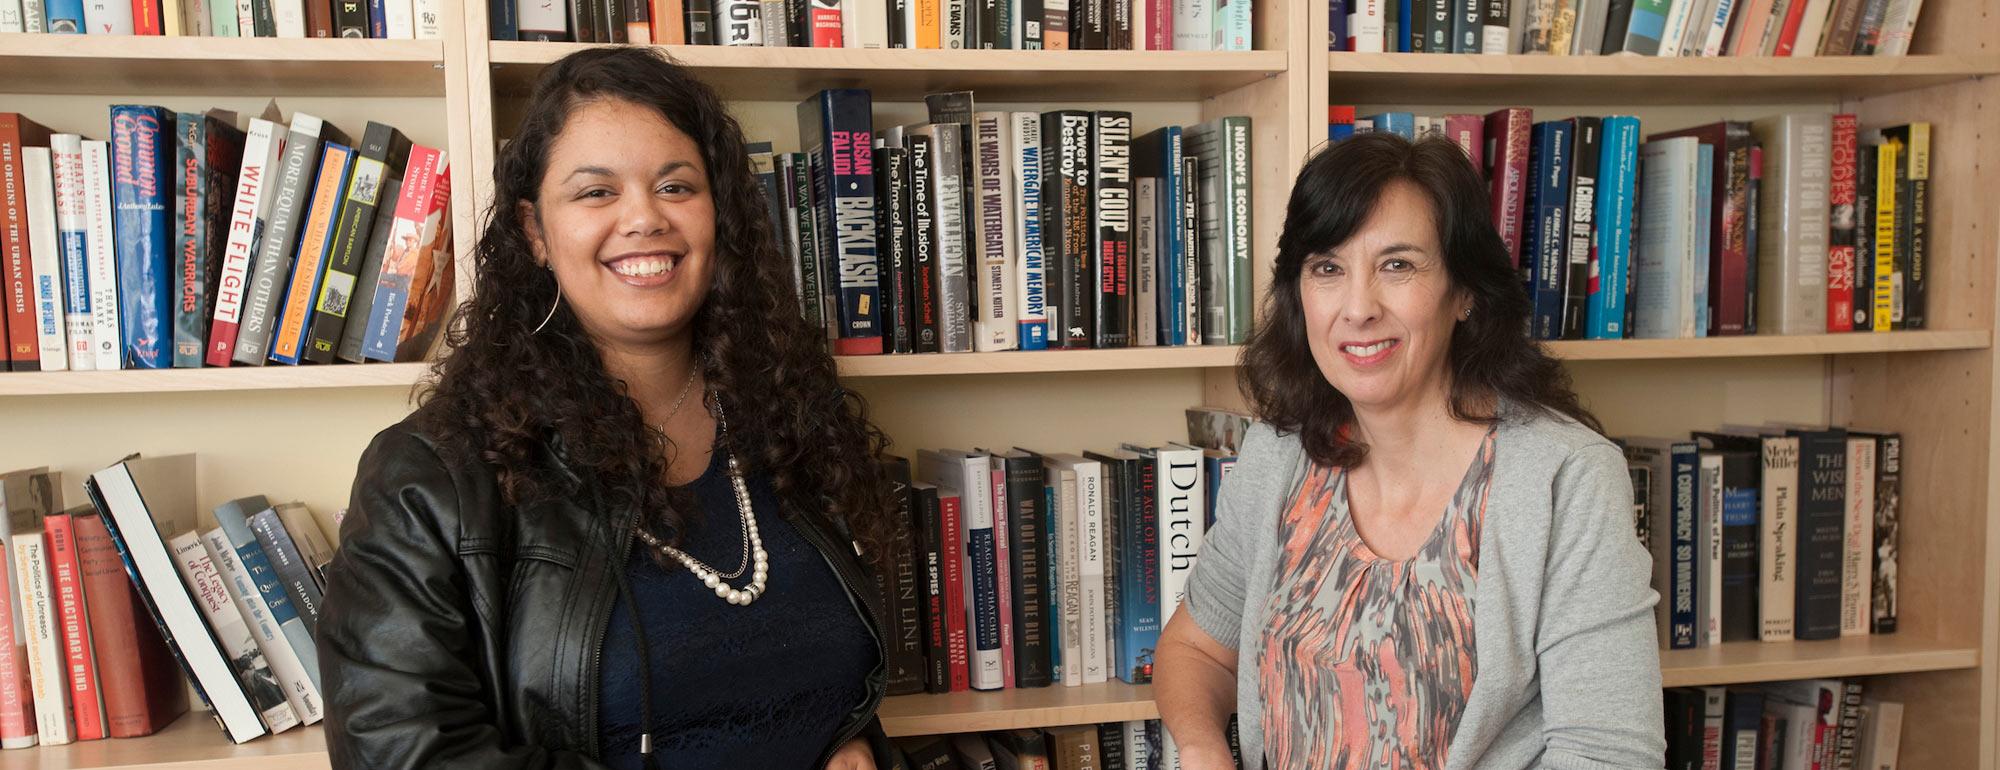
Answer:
[(1424, 557), (626, 526)]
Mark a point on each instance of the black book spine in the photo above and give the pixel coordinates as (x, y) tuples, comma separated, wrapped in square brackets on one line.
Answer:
[(1031, 24), (1111, 744), (937, 669), (1111, 228), (798, 23), (583, 21), (1864, 236), (350, 18), (1088, 30), (611, 21), (1025, 479), (923, 308), (1741, 494), (1582, 233), (989, 23), (1420, 23), (1847, 741), (382, 148), (892, 224), (1118, 23), (1888, 517), (264, 18), (1618, 15), (1066, 226), (1684, 728), (1438, 26), (899, 31), (1822, 516), (1465, 26), (899, 590), (1192, 255), (700, 22)]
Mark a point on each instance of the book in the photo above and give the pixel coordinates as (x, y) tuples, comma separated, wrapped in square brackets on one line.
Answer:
[(1145, 272), (892, 218), (1888, 519), (802, 237), (1821, 518), (1181, 500), (354, 330), (29, 496), (72, 618), (106, 330), (1507, 152), (1741, 493), (1730, 255), (1911, 244), (17, 319), (27, 489), (1663, 248), (1858, 537), (1611, 256), (1881, 735), (1744, 714), (1003, 579), (1028, 550), (1792, 251), (276, 256), (141, 688), (413, 288), (996, 289), (1586, 162), (1545, 236), (835, 131), (958, 645), (1843, 179), (292, 329), (66, 166), (971, 474), (1066, 202), (232, 635), (288, 669), (209, 155), (285, 557), (924, 308), (45, 252), (903, 623), (233, 518), (1777, 525), (1223, 147), (263, 147), (1024, 141), (948, 248), (1111, 227), (1159, 155), (932, 537), (384, 151)]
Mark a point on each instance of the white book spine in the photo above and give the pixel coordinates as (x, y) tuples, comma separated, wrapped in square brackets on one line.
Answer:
[(875, 33), (1146, 261), (195, 18), (246, 18), (1072, 610), (955, 30), (1811, 27), (1025, 190), (542, 15), (106, 344), (430, 19), (1194, 22), (850, 23), (1138, 753), (46, 662), (34, 16), (742, 21), (1183, 514), (300, 692), (1881, 736), (1898, 27), (232, 634), (1660, 253), (262, 145), (290, 16), (1718, 28), (108, 17), (1857, 568), (400, 19), (11, 19), (1709, 609), (1696, 31), (976, 500), (910, 19), (1677, 21), (1090, 569), (45, 257), (1191, 251), (993, 295), (773, 17), (66, 162), (1692, 239), (1777, 523)]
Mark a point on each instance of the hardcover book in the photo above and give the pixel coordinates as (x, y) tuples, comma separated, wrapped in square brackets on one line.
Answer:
[(995, 290), (210, 156), (294, 313), (1821, 518), (1223, 145), (1066, 219), (1111, 227), (413, 290), (45, 250), (1792, 251), (106, 330), (263, 150), (384, 152), (142, 689), (17, 134), (276, 253)]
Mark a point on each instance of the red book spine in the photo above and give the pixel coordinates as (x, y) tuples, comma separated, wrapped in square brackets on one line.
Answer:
[(1507, 173), (1795, 15), (1160, 25), (17, 700), (1003, 576), (1469, 132), (954, 592), (669, 22), (1842, 194), (141, 684), (81, 662), (18, 321), (319, 18), (146, 18), (825, 25)]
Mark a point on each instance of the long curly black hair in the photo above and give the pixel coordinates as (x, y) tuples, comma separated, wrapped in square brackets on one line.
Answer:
[(1489, 356), (507, 393)]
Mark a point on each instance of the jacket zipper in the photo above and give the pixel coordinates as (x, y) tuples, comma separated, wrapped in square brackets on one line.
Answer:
[(600, 627), (869, 619)]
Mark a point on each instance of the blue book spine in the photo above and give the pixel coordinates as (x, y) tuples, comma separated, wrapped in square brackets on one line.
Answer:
[(1403, 124), (1139, 579), (283, 556), (1402, 42), (1213, 470), (1173, 242), (1336, 26), (1052, 571), (378, 19), (141, 153), (500, 20), (1615, 199), (235, 525), (1745, 712), (1704, 183), (76, 268), (1549, 225), (65, 17), (1681, 615), (835, 128)]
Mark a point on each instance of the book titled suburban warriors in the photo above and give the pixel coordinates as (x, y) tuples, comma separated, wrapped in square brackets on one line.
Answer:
[(209, 153)]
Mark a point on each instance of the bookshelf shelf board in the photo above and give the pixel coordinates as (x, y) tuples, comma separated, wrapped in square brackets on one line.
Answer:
[(1397, 78), (144, 64), (193, 741), (1740, 662), (786, 74), (1051, 706), (1034, 361), (272, 377), (1770, 345)]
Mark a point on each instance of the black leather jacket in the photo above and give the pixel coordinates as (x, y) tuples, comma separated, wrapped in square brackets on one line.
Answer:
[(459, 632)]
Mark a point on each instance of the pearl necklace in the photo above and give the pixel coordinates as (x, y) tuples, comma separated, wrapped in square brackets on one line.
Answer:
[(760, 561)]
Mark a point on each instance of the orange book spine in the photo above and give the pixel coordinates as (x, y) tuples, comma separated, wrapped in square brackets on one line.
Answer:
[(928, 23), (336, 162), (669, 22), (86, 705)]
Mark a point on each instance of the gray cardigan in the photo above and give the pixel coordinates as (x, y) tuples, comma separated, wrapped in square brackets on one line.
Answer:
[(1569, 670)]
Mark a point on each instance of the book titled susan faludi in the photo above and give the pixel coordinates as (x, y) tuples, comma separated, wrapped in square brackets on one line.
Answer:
[(835, 130)]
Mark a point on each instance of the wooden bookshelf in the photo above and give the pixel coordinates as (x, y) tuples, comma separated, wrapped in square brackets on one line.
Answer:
[(1561, 80), (1770, 345), (1051, 706), (104, 64), (196, 380), (191, 742)]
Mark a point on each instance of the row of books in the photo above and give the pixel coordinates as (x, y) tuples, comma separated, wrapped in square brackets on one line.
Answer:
[(1133, 745), (393, 19), (185, 241), (1771, 534), (103, 599), (1801, 725), (1117, 25), (988, 230), (1023, 569), (1672, 237), (1628, 27)]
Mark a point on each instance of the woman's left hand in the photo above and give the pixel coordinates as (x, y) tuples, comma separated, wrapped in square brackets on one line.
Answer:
[(853, 755)]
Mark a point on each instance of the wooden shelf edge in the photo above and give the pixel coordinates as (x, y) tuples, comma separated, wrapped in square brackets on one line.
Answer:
[(1744, 662), (753, 57), (205, 380), (1610, 67), (1052, 706), (1039, 361), (153, 47), (1770, 345)]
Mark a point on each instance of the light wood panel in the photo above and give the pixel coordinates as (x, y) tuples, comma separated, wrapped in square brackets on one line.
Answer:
[(1012, 709), (1556, 80), (78, 64), (1744, 662), (272, 377), (191, 742)]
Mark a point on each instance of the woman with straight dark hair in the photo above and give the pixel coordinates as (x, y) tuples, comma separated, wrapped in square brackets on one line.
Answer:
[(626, 526), (1424, 557)]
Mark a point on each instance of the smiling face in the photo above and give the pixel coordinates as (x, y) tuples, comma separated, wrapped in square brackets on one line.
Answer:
[(1380, 307), (626, 219)]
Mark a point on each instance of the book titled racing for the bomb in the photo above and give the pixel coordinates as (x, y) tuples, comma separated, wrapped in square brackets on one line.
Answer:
[(835, 129)]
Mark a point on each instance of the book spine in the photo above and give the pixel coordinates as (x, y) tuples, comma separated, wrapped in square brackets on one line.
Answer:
[(1003, 568), (1546, 231), (1777, 524), (1709, 561), (904, 585), (741, 22), (191, 196), (268, 583), (1840, 248), (1171, 243), (1712, 39), (291, 332), (955, 582), (1584, 183), (1507, 168), (66, 163), (893, 189), (17, 702), (1822, 513), (1193, 252), (141, 688), (1068, 566), (382, 146), (949, 247), (65, 17), (1139, 575), (44, 244), (1193, 23), (275, 254), (1026, 523), (354, 332), (1611, 266), (835, 130), (1181, 503), (261, 150), (79, 658), (540, 20), (1794, 236), (1031, 276), (1494, 31), (924, 288), (1899, 25), (1858, 537), (1740, 496), (937, 657), (231, 634), (46, 680), (1467, 17), (1888, 519), (1092, 513), (1066, 218), (804, 232), (105, 335), (1705, 283), (981, 587), (301, 693), (1146, 261), (1887, 161), (300, 587), (1111, 227), (822, 23), (18, 319), (1731, 267), (1916, 291), (426, 181), (995, 293), (1684, 633), (109, 17)]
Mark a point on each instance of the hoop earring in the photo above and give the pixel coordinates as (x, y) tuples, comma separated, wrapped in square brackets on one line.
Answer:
[(552, 312)]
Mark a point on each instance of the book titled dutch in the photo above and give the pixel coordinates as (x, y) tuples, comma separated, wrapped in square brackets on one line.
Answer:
[(835, 128), (140, 158), (263, 145)]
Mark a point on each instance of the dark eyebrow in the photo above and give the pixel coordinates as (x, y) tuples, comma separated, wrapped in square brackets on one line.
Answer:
[(1399, 248), (668, 168)]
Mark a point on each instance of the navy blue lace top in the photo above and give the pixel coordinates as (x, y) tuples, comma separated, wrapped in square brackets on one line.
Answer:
[(760, 686)]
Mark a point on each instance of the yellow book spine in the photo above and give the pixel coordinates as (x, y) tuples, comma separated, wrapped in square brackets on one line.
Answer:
[(1885, 234), (928, 23), (172, 18)]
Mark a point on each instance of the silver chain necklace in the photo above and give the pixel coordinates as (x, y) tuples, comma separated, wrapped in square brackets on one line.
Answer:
[(753, 545)]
